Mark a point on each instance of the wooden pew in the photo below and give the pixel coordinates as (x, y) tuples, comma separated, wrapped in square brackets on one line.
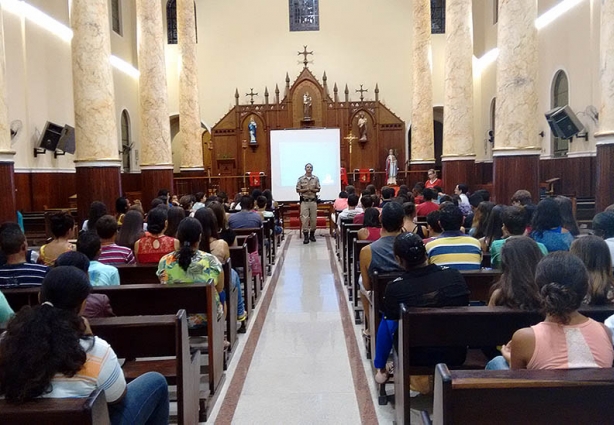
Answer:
[(355, 275), (240, 258), (57, 411), (338, 235), (158, 336), (345, 262), (272, 237), (260, 236), (454, 327), (130, 274), (232, 305), (533, 396)]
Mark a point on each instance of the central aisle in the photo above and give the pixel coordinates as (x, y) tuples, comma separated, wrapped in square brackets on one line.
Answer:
[(300, 372)]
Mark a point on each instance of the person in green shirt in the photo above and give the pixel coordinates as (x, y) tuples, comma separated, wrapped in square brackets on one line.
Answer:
[(6, 312)]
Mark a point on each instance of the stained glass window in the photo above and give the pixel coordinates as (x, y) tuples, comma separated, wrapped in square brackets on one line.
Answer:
[(304, 15)]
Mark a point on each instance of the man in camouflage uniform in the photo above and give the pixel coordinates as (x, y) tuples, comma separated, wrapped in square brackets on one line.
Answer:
[(307, 187)]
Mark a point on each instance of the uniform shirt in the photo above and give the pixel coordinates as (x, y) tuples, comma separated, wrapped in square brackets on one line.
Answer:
[(310, 183), (100, 370), (24, 274), (455, 250), (115, 254), (103, 274)]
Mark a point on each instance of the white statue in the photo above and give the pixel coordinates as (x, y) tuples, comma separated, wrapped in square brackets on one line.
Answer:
[(306, 106), (362, 128), (391, 168), (252, 131)]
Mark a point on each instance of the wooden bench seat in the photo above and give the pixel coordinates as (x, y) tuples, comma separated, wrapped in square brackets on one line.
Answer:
[(130, 274), (239, 255), (57, 411), (576, 396)]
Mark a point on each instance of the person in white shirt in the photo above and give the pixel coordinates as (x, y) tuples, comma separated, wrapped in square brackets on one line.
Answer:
[(603, 226), (351, 210)]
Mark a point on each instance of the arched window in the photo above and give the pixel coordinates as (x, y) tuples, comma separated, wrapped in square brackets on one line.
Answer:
[(560, 97), (126, 142), (171, 21), (438, 16), (116, 16)]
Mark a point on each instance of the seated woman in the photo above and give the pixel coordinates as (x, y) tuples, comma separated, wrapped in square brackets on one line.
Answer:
[(155, 244), (210, 242), (547, 227), (50, 351), (122, 205), (191, 265), (62, 225), (565, 339), (97, 210), (173, 218), (131, 231), (516, 287), (594, 253), (409, 225), (224, 232), (371, 226), (494, 228), (422, 285)]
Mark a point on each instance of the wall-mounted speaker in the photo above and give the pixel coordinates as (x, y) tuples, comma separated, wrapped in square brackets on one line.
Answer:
[(66, 143), (563, 122), (50, 137)]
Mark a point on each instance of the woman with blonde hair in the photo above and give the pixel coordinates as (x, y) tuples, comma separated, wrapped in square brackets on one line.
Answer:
[(594, 253)]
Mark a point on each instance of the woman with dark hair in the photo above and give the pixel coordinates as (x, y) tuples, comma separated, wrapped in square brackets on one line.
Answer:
[(516, 287), (188, 264), (371, 226), (173, 218), (341, 202), (50, 351), (97, 210), (480, 219), (224, 232), (409, 209), (595, 255), (494, 228), (155, 244), (566, 209), (547, 227), (603, 226), (121, 208), (236, 203), (62, 225), (565, 339), (271, 204), (132, 229), (421, 285), (199, 201)]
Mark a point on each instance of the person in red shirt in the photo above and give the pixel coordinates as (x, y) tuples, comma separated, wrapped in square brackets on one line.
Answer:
[(428, 205), (433, 180)]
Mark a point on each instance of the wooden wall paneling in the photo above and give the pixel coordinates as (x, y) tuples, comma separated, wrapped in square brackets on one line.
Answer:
[(604, 194), (511, 173), (23, 191), (8, 207), (256, 158), (53, 190), (131, 182), (578, 175), (455, 172), (97, 184), (152, 182)]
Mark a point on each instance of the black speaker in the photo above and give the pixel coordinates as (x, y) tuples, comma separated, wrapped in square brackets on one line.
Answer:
[(51, 136), (67, 140), (563, 122)]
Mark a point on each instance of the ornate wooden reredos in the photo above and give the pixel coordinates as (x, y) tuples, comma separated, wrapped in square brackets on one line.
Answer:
[(384, 129)]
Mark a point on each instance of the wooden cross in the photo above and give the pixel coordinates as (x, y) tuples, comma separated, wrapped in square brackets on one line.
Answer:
[(361, 91), (305, 53), (251, 94), (350, 138)]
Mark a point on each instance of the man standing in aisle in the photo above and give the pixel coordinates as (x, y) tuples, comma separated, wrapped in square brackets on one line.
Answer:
[(307, 187)]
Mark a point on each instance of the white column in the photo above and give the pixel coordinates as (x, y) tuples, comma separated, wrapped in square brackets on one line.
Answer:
[(606, 109)]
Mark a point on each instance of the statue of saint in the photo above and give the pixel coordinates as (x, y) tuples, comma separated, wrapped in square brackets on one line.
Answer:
[(391, 168), (306, 106), (252, 131), (362, 128)]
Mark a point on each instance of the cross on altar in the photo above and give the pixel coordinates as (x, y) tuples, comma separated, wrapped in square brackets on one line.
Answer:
[(305, 53), (361, 91), (350, 138), (251, 94)]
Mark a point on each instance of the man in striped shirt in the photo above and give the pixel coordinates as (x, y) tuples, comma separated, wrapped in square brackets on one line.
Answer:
[(110, 252), (16, 271), (453, 248)]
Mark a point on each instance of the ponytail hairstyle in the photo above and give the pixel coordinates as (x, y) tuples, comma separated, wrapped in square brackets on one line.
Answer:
[(45, 340), (563, 282), (409, 248), (594, 253), (188, 233)]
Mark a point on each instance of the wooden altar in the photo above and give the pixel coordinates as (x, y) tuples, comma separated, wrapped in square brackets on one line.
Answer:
[(234, 151)]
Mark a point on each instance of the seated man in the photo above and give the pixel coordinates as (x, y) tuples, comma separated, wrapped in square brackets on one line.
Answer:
[(351, 210), (100, 274), (387, 195), (110, 252), (261, 208), (428, 205), (31, 256), (514, 224), (246, 218), (366, 201), (453, 248), (17, 271)]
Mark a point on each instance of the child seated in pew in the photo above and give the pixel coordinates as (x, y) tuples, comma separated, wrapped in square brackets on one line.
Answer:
[(191, 265), (565, 339), (50, 351), (422, 285)]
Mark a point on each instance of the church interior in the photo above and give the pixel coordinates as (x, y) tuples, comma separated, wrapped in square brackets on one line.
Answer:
[(103, 99)]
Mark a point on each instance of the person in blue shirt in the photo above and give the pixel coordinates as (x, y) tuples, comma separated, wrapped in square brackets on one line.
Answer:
[(100, 274)]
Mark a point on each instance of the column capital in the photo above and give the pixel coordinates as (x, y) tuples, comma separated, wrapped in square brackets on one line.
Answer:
[(604, 138), (512, 151), (422, 161), (97, 163), (458, 157), (7, 156), (157, 167)]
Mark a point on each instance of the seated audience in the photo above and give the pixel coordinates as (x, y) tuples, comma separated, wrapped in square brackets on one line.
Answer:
[(261, 208), (433, 228), (516, 287), (371, 226), (428, 205), (131, 231), (417, 193), (173, 218), (224, 232), (366, 201), (31, 255), (409, 225), (198, 201), (421, 285), (461, 190), (453, 248), (186, 202), (62, 225), (236, 203), (521, 198), (514, 224), (246, 218), (271, 204), (100, 274), (110, 252), (97, 210), (6, 312), (494, 228), (547, 227), (137, 206), (155, 244), (566, 209), (595, 255), (351, 210), (603, 226), (371, 188), (49, 351), (387, 195), (191, 265), (565, 339), (480, 218), (432, 180), (17, 271), (341, 202), (122, 205)]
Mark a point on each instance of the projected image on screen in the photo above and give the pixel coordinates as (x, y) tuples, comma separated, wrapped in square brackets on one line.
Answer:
[(292, 149)]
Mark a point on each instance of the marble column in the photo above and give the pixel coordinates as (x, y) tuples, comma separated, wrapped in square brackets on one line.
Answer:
[(458, 159), (422, 138), (189, 108), (156, 154), (7, 206), (517, 143), (97, 154), (605, 137)]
